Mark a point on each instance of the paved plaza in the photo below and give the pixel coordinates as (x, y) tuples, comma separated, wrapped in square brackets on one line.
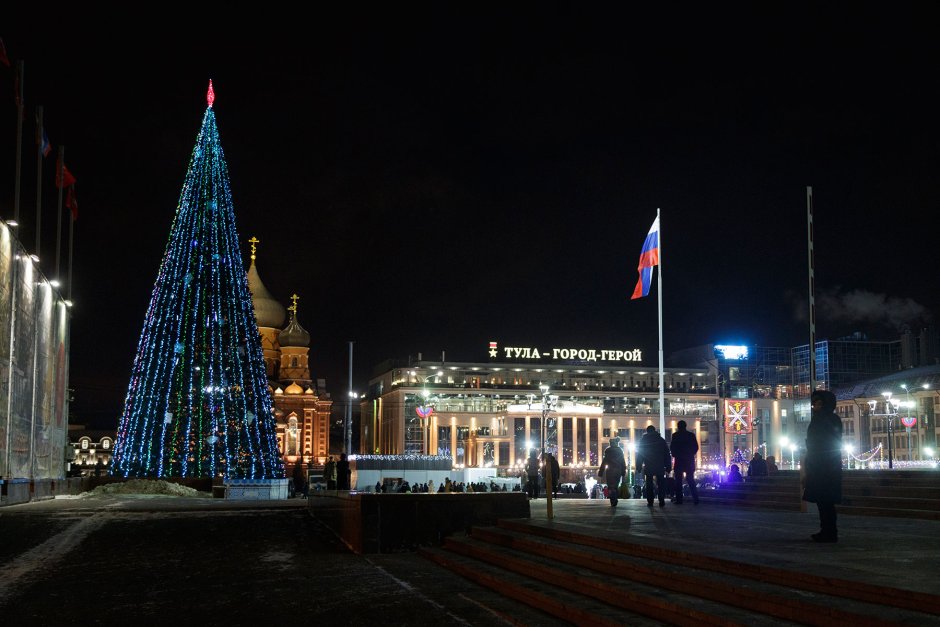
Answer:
[(110, 560)]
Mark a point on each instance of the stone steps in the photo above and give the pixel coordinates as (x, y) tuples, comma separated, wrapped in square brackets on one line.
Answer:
[(865, 493), (589, 580)]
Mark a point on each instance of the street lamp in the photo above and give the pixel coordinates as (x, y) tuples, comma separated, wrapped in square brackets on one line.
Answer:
[(792, 454), (548, 406), (908, 423), (890, 413), (424, 412), (784, 443), (631, 449), (348, 426), (848, 456)]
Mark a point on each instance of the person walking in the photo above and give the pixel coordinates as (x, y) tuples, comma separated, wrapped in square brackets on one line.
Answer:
[(653, 461), (343, 473), (684, 446), (822, 465), (329, 473), (613, 469)]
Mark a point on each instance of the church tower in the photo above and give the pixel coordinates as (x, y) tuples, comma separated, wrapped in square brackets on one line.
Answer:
[(295, 345), (301, 404), (269, 313)]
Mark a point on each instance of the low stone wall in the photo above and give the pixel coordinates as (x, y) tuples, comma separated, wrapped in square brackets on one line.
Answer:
[(256, 489), (388, 523), (14, 491)]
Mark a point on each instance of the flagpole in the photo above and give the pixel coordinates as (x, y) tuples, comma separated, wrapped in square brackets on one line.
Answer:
[(60, 173), (71, 239), (659, 284), (38, 177), (812, 289), (20, 69)]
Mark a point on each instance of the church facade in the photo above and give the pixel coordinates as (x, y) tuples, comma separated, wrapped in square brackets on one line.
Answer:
[(301, 404)]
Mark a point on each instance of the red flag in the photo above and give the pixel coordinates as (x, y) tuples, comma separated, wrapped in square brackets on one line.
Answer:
[(4, 59), (72, 202), (69, 179)]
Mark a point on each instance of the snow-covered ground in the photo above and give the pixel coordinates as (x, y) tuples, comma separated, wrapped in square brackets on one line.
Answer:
[(144, 487)]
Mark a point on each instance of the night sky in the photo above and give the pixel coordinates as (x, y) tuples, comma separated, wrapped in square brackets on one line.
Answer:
[(430, 178)]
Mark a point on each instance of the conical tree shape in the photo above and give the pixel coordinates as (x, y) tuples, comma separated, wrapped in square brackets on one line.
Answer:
[(198, 403)]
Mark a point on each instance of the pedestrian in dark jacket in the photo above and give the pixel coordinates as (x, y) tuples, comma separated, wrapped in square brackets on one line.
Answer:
[(551, 462), (343, 473), (757, 467), (329, 473), (613, 469), (684, 446), (653, 461), (532, 474), (822, 464)]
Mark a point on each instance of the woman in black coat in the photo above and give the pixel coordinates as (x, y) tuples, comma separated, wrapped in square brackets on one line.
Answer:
[(822, 466)]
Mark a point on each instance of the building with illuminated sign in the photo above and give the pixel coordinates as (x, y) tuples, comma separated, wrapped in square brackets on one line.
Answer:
[(489, 414), (737, 399)]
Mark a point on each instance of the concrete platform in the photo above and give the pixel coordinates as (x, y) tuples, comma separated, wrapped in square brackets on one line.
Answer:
[(894, 552), (388, 523), (257, 562)]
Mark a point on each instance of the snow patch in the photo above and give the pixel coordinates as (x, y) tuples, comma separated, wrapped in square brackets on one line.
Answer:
[(143, 487)]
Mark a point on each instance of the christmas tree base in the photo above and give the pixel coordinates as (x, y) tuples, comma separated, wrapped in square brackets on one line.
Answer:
[(256, 489)]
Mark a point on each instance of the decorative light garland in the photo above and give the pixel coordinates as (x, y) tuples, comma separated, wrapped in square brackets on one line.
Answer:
[(197, 404)]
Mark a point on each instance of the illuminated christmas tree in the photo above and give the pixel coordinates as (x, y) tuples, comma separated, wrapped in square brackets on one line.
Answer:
[(198, 403)]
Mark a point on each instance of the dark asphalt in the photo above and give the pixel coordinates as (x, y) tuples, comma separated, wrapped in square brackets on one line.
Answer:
[(120, 560)]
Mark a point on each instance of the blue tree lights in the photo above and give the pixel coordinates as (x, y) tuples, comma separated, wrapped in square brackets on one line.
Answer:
[(198, 403)]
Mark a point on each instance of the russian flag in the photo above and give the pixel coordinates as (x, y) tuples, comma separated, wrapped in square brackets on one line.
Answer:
[(44, 144), (649, 257)]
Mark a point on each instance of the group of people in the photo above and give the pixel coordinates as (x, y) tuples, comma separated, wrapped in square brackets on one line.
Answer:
[(337, 474), (535, 471), (654, 460), (822, 464)]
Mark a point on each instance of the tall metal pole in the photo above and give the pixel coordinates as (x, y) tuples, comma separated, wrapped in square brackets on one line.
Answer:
[(890, 442), (68, 290), (659, 286), (20, 77), (349, 400), (38, 179), (60, 181), (812, 289), (549, 479)]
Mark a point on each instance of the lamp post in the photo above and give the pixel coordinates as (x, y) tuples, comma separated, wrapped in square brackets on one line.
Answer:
[(890, 413), (930, 433), (631, 448), (425, 412), (784, 443), (907, 421), (347, 428), (848, 456), (792, 456), (548, 404)]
